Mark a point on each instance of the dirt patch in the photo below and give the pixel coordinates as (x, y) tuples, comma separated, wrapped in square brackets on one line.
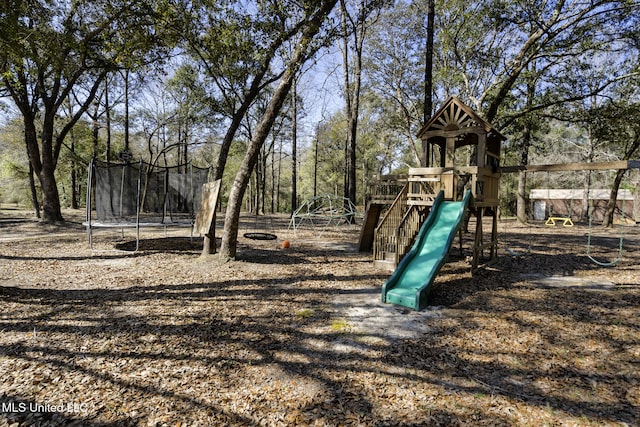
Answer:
[(298, 336)]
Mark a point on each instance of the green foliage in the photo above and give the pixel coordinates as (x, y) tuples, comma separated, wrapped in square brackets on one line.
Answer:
[(15, 182), (14, 169), (76, 161), (380, 151), (56, 51), (232, 43), (394, 70), (488, 53), (330, 167)]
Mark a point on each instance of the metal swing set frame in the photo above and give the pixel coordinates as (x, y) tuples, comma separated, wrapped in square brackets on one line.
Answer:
[(581, 166)]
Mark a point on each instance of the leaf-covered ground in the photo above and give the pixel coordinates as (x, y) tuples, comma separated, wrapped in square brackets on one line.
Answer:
[(298, 336)]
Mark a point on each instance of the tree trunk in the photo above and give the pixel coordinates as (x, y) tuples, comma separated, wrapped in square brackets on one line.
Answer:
[(261, 181), (347, 95), (315, 164), (44, 168), (107, 110), (586, 214), (613, 199), (273, 182), (294, 147), (428, 63), (629, 153), (126, 110), (34, 192), (266, 190), (352, 94), (231, 223), (521, 197), (74, 183), (527, 135), (521, 201), (51, 210), (279, 176), (208, 246)]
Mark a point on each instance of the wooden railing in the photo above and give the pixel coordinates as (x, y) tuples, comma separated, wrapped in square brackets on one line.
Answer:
[(385, 188), (486, 187), (424, 188), (408, 229), (385, 243), (400, 225)]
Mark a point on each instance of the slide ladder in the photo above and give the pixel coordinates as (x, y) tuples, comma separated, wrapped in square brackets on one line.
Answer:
[(410, 283)]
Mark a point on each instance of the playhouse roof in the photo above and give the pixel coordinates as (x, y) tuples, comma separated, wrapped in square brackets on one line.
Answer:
[(455, 115)]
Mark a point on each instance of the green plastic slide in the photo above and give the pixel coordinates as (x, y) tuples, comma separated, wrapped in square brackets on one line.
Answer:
[(410, 283)]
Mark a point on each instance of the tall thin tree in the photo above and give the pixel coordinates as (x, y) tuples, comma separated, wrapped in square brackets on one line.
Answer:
[(428, 61), (316, 16)]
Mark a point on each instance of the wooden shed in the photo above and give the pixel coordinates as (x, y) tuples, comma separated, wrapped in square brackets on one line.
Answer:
[(573, 203)]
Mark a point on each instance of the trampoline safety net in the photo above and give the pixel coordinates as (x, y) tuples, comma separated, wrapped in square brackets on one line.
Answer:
[(168, 194)]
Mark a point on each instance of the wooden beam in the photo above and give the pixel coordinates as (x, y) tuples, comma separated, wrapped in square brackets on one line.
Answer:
[(579, 166)]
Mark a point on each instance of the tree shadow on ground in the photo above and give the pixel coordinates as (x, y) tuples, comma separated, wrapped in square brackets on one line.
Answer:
[(173, 245), (201, 325), (205, 349)]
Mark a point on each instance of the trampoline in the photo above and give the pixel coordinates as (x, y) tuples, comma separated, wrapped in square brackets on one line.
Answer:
[(139, 195)]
